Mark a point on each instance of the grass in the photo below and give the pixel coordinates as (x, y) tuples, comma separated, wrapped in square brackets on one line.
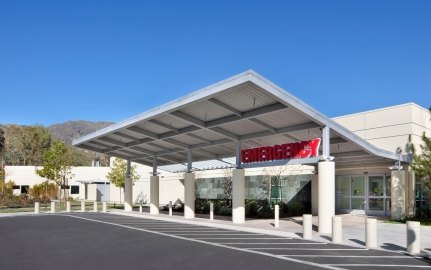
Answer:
[(423, 221), (74, 206)]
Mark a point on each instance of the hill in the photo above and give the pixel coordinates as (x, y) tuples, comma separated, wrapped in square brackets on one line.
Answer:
[(70, 130)]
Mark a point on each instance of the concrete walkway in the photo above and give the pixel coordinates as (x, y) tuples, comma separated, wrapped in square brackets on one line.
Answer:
[(391, 237)]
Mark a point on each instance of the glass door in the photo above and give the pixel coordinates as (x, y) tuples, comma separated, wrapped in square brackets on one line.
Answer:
[(379, 193), (357, 194)]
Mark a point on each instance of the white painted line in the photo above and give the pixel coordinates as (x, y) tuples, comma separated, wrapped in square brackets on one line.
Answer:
[(347, 256), (242, 238), (383, 265), (213, 234), (213, 244), (191, 231), (309, 249), (295, 243)]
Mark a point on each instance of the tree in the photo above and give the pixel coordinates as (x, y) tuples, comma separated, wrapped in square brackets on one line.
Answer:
[(57, 167), (117, 175), (2, 146)]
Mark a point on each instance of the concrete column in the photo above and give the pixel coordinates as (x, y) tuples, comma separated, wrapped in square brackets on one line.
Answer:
[(189, 195), (211, 211), (105, 207), (307, 227), (52, 207), (238, 196), (67, 206), (314, 194), (410, 193), (128, 194), (398, 194), (95, 206), (413, 237), (337, 230), (326, 195), (371, 233), (82, 206), (170, 208), (36, 207), (154, 195), (276, 216)]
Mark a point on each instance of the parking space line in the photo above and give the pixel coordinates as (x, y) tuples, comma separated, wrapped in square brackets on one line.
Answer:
[(241, 238), (211, 243), (191, 231), (336, 249), (214, 234), (293, 243), (351, 256), (382, 265)]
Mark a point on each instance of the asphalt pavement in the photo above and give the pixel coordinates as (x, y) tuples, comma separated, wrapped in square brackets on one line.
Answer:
[(108, 241)]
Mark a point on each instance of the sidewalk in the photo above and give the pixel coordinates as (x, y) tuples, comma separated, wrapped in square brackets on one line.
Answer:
[(391, 237)]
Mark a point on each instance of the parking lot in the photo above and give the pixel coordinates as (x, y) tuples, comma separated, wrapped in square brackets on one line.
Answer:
[(107, 241)]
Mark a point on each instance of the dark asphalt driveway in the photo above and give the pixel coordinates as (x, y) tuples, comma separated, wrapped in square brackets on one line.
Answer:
[(106, 241)]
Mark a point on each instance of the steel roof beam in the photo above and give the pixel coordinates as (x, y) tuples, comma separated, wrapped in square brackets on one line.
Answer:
[(124, 135), (198, 137), (246, 115), (164, 125), (144, 132), (279, 131), (265, 125), (225, 106)]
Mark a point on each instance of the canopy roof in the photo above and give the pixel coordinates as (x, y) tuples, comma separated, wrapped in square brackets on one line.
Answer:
[(247, 108)]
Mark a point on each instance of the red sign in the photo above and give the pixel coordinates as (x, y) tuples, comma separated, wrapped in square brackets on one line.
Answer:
[(302, 149)]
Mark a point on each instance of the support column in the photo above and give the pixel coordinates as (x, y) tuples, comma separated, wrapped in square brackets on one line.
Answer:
[(314, 194), (189, 195), (128, 190), (238, 196), (326, 195), (154, 195), (398, 194), (410, 193)]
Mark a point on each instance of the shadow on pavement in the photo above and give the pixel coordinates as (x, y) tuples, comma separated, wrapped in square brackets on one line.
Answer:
[(358, 241), (393, 247)]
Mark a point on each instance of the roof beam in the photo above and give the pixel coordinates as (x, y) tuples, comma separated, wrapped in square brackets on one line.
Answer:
[(189, 118), (225, 106), (257, 121), (164, 125), (124, 135), (279, 131), (144, 132), (246, 115), (198, 137)]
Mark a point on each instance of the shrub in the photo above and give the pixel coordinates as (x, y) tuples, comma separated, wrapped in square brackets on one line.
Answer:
[(44, 192)]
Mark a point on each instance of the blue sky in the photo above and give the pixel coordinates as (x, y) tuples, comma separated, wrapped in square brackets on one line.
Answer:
[(108, 60)]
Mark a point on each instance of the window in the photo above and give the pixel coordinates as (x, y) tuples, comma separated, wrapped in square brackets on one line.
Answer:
[(74, 190), (24, 189)]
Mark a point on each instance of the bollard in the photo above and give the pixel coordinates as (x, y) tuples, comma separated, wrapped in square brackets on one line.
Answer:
[(307, 225), (95, 206), (413, 237), (67, 206), (52, 207), (371, 233), (105, 207), (36, 207), (337, 230), (140, 208), (211, 211), (83, 206), (276, 216), (170, 208)]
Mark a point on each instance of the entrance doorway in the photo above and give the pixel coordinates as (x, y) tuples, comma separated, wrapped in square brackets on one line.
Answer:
[(363, 194)]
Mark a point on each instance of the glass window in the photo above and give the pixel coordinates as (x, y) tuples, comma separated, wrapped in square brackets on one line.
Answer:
[(74, 190), (375, 204), (358, 183), (342, 202), (375, 186), (24, 189), (342, 185), (358, 203)]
